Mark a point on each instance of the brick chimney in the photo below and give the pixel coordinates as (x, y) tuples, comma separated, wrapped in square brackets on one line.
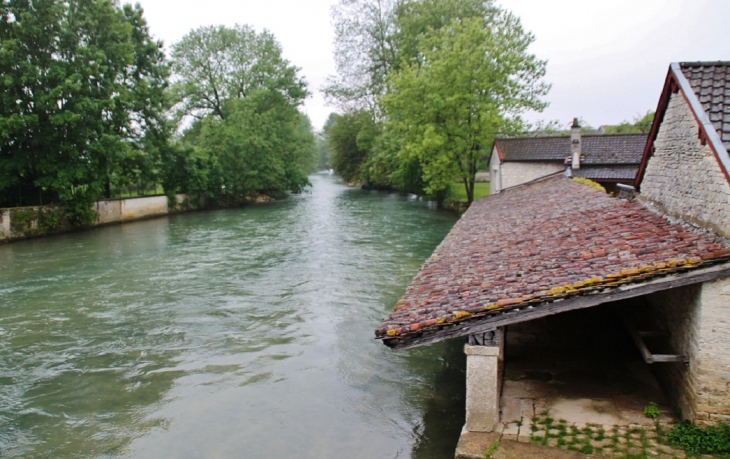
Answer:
[(576, 148)]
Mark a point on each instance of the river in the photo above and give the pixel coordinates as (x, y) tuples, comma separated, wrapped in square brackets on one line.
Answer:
[(242, 333)]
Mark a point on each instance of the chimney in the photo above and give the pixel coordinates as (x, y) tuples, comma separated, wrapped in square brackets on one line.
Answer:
[(575, 144)]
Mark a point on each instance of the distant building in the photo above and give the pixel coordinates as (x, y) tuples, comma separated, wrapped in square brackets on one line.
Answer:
[(606, 159)]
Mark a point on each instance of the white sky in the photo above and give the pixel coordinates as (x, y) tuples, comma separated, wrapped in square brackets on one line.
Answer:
[(606, 60)]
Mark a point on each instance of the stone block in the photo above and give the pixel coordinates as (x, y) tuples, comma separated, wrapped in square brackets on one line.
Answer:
[(474, 445)]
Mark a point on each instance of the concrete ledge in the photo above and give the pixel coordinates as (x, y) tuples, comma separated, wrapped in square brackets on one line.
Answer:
[(474, 445), (491, 351)]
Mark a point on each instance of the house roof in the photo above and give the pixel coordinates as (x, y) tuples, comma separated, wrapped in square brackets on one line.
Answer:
[(607, 173), (534, 245), (597, 149), (706, 89)]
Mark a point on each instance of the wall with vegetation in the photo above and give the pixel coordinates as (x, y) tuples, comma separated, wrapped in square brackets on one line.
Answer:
[(25, 222)]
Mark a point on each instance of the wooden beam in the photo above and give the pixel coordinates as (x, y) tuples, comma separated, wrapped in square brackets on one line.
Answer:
[(638, 338), (525, 314), (652, 333)]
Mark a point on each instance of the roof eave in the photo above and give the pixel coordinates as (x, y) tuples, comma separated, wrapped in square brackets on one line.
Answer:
[(546, 308)]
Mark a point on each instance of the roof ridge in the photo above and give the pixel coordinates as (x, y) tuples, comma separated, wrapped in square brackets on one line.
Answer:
[(567, 136), (703, 63)]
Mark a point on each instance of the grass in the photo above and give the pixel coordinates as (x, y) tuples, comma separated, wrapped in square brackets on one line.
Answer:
[(457, 191)]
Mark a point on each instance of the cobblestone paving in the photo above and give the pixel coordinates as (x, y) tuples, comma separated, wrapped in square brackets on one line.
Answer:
[(631, 441)]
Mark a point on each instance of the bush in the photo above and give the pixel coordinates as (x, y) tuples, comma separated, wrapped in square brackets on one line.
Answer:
[(701, 440)]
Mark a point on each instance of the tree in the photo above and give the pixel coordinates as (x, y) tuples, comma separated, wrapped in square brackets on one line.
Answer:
[(348, 140), (245, 97), (475, 79), (216, 64), (365, 52), (641, 124), (81, 95)]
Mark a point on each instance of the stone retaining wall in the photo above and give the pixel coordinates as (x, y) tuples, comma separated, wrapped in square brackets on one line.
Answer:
[(683, 176), (107, 212)]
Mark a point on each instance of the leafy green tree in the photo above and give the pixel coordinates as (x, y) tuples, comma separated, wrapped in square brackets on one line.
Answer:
[(641, 124), (475, 79), (216, 64), (261, 146), (81, 94), (244, 95), (350, 138)]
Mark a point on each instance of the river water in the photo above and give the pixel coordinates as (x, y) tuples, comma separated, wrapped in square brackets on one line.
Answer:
[(244, 333)]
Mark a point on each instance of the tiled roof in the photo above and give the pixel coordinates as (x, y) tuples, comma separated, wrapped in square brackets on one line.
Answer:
[(711, 83), (536, 242), (597, 149), (598, 173), (534, 148)]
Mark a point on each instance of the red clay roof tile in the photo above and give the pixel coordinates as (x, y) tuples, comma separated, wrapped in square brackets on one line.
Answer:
[(538, 241)]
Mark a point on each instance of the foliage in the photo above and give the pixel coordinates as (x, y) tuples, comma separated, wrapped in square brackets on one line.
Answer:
[(651, 411), (492, 448), (248, 136), (349, 138), (374, 38), (22, 219), (641, 124), (323, 149), (475, 79), (81, 97), (216, 64), (264, 145), (365, 52), (456, 191), (392, 52), (701, 440)]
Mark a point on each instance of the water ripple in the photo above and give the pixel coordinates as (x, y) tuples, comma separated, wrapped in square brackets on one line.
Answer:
[(213, 333)]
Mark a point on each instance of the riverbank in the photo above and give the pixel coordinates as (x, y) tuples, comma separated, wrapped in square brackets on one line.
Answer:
[(19, 223)]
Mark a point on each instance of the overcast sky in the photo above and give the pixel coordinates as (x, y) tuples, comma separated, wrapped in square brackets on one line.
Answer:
[(606, 60)]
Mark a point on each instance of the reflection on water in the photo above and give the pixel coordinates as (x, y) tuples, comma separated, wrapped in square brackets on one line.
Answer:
[(236, 333)]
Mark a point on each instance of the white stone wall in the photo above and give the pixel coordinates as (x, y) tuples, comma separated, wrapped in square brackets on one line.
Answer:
[(713, 366), (108, 211), (134, 209), (698, 319), (5, 226), (516, 173), (683, 176)]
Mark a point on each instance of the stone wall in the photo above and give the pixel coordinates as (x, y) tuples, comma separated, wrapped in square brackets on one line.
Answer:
[(713, 369), (698, 319), (683, 177), (107, 212)]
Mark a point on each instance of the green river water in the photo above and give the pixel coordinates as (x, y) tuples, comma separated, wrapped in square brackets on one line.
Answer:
[(244, 333)]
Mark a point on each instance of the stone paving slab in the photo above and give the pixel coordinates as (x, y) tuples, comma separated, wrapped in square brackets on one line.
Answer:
[(514, 450)]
